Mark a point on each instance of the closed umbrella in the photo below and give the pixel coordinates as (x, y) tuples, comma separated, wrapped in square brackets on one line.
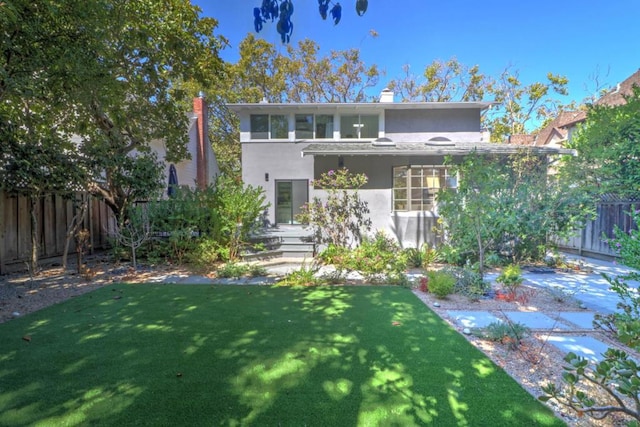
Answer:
[(173, 181)]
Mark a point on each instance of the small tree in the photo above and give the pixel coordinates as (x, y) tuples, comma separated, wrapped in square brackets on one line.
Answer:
[(133, 232), (341, 217), (508, 206)]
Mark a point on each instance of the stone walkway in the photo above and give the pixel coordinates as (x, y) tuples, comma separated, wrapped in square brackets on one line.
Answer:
[(569, 333)]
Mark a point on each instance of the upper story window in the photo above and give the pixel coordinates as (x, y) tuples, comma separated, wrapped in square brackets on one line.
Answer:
[(415, 187), (314, 126), (265, 126), (359, 126)]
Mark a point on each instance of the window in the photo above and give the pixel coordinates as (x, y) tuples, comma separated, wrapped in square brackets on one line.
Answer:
[(304, 126), (415, 187), (324, 126), (309, 126), (279, 127), (264, 126), (359, 126)]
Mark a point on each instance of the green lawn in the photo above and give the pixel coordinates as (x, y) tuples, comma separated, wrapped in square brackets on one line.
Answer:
[(165, 355)]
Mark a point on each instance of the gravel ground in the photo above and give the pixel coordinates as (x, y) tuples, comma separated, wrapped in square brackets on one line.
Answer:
[(533, 364)]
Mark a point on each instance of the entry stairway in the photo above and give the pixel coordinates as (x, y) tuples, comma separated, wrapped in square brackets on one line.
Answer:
[(283, 241)]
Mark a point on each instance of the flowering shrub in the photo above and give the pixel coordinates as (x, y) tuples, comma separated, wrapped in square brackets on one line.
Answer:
[(627, 245), (341, 218)]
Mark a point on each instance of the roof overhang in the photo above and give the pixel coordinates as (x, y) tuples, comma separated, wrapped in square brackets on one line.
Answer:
[(425, 149), (359, 106)]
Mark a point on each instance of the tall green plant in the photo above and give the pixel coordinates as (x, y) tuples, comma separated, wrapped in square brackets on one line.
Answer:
[(507, 205), (341, 217)]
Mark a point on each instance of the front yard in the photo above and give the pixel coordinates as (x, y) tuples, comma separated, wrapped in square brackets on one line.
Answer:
[(249, 355)]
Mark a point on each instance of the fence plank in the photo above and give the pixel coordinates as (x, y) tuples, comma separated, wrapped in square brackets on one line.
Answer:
[(54, 213)]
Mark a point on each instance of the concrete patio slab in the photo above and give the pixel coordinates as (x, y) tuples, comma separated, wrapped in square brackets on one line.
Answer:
[(534, 320), (582, 319), (473, 319), (587, 347)]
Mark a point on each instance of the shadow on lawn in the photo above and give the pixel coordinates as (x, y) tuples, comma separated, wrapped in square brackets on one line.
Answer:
[(225, 355)]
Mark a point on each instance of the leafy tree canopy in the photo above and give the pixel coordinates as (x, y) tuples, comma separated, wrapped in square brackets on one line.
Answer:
[(281, 12), (608, 146)]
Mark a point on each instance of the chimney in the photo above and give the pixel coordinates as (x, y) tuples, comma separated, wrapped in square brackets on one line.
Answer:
[(386, 95), (200, 111)]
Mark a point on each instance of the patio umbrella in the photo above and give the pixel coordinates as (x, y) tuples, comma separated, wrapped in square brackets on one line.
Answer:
[(173, 181)]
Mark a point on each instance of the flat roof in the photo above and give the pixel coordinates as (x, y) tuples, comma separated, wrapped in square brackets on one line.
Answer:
[(370, 106), (430, 148)]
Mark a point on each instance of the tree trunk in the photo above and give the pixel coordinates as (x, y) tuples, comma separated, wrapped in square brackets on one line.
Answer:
[(34, 233), (72, 229)]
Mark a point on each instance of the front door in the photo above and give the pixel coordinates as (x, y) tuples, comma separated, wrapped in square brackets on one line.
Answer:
[(290, 197)]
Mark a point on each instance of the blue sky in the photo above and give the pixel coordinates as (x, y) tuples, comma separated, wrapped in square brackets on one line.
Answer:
[(578, 39)]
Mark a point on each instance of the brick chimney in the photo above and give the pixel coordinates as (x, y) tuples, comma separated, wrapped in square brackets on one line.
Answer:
[(200, 111)]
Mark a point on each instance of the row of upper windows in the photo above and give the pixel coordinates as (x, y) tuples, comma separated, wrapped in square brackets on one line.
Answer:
[(313, 126)]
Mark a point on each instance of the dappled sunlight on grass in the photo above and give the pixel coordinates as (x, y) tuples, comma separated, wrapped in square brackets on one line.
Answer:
[(330, 301), (250, 355), (483, 367), (455, 390)]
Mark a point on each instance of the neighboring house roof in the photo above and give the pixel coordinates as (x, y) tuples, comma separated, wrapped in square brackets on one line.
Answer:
[(421, 149), (558, 127), (521, 139), (616, 96)]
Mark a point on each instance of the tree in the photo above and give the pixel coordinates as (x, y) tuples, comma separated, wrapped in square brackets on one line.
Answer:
[(518, 105), (142, 50), (443, 81), (608, 146), (42, 55), (271, 10), (517, 108), (507, 206)]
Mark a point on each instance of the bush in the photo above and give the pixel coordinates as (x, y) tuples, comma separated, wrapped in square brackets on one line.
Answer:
[(341, 217), (468, 282), (375, 256), (440, 283), (423, 257), (304, 276), (511, 278), (233, 270), (206, 252), (509, 334), (627, 245)]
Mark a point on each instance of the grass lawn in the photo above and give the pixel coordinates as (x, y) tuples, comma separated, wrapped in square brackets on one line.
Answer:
[(165, 355)]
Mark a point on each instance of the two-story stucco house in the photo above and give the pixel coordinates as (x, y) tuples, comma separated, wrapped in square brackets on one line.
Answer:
[(399, 146)]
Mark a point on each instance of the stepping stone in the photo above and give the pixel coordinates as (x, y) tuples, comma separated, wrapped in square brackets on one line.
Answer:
[(583, 319), (535, 320), (587, 347), (473, 319)]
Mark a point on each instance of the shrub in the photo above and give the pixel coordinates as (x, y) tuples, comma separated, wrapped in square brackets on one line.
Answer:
[(304, 276), (342, 216), (233, 270), (414, 257), (423, 257), (511, 278), (377, 256), (207, 252), (440, 283), (510, 334), (468, 282), (624, 324), (627, 245)]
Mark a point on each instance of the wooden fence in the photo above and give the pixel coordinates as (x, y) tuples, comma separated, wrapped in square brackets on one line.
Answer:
[(54, 214), (591, 241)]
